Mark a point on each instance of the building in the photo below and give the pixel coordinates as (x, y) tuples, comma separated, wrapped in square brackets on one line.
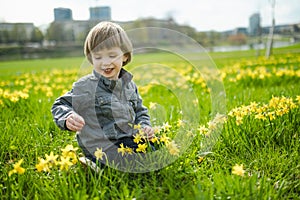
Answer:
[(254, 25), (19, 31), (102, 13), (240, 30), (62, 14), (78, 29)]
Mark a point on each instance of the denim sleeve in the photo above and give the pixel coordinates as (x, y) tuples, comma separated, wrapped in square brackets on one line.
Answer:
[(61, 109), (142, 116)]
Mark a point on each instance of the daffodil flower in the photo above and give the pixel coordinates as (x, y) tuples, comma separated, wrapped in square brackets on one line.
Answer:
[(142, 148), (69, 150), (65, 163), (166, 127), (122, 149), (173, 148), (51, 159), (17, 168), (99, 154), (137, 138), (165, 139), (238, 170), (42, 165)]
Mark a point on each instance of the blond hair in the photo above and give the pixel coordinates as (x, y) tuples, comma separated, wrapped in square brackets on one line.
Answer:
[(106, 35)]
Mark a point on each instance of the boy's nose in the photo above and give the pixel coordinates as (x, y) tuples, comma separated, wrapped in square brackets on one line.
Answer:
[(106, 61)]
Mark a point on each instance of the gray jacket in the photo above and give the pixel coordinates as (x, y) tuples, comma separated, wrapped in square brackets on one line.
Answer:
[(110, 108)]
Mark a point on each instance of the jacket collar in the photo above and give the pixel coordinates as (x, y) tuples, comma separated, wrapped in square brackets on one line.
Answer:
[(124, 77)]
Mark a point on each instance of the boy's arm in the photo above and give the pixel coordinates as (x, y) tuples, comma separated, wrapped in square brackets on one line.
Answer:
[(61, 109), (142, 116)]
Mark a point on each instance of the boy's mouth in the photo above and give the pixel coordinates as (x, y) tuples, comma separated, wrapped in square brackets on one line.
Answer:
[(108, 70)]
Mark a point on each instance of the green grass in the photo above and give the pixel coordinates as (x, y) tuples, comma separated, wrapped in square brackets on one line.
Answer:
[(268, 149)]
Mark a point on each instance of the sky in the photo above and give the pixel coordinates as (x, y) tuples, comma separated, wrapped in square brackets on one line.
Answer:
[(203, 15)]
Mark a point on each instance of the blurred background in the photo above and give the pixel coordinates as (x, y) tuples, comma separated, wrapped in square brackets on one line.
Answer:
[(56, 28)]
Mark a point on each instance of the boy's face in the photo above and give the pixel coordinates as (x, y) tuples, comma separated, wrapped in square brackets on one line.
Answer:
[(108, 62)]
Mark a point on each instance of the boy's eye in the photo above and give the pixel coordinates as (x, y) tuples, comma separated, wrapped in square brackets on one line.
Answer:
[(97, 56), (112, 56)]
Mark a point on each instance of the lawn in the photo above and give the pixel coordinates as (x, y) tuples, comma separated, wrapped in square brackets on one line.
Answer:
[(228, 128)]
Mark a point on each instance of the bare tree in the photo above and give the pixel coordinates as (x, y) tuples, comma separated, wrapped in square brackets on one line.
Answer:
[(270, 39)]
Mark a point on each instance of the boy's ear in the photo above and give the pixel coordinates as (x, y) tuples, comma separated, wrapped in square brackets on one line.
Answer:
[(125, 58)]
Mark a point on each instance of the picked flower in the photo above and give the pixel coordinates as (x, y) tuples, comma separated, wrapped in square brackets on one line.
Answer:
[(137, 126), (137, 138), (142, 148)]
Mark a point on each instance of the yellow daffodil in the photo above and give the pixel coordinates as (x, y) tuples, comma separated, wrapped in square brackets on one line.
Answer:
[(279, 112), (137, 126), (165, 139), (51, 159), (73, 157), (155, 140), (203, 130), (260, 116), (122, 149), (137, 138), (239, 120), (69, 149), (166, 127), (42, 165), (99, 154), (200, 159), (219, 118), (238, 170), (156, 129), (152, 105), (17, 168), (129, 150), (195, 102), (180, 123), (65, 163), (271, 115), (173, 148), (212, 125), (277, 106), (142, 148)]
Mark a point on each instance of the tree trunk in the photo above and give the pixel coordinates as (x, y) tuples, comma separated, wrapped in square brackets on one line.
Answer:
[(270, 40)]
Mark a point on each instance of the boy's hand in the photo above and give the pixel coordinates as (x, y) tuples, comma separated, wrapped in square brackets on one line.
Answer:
[(75, 122), (149, 131)]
